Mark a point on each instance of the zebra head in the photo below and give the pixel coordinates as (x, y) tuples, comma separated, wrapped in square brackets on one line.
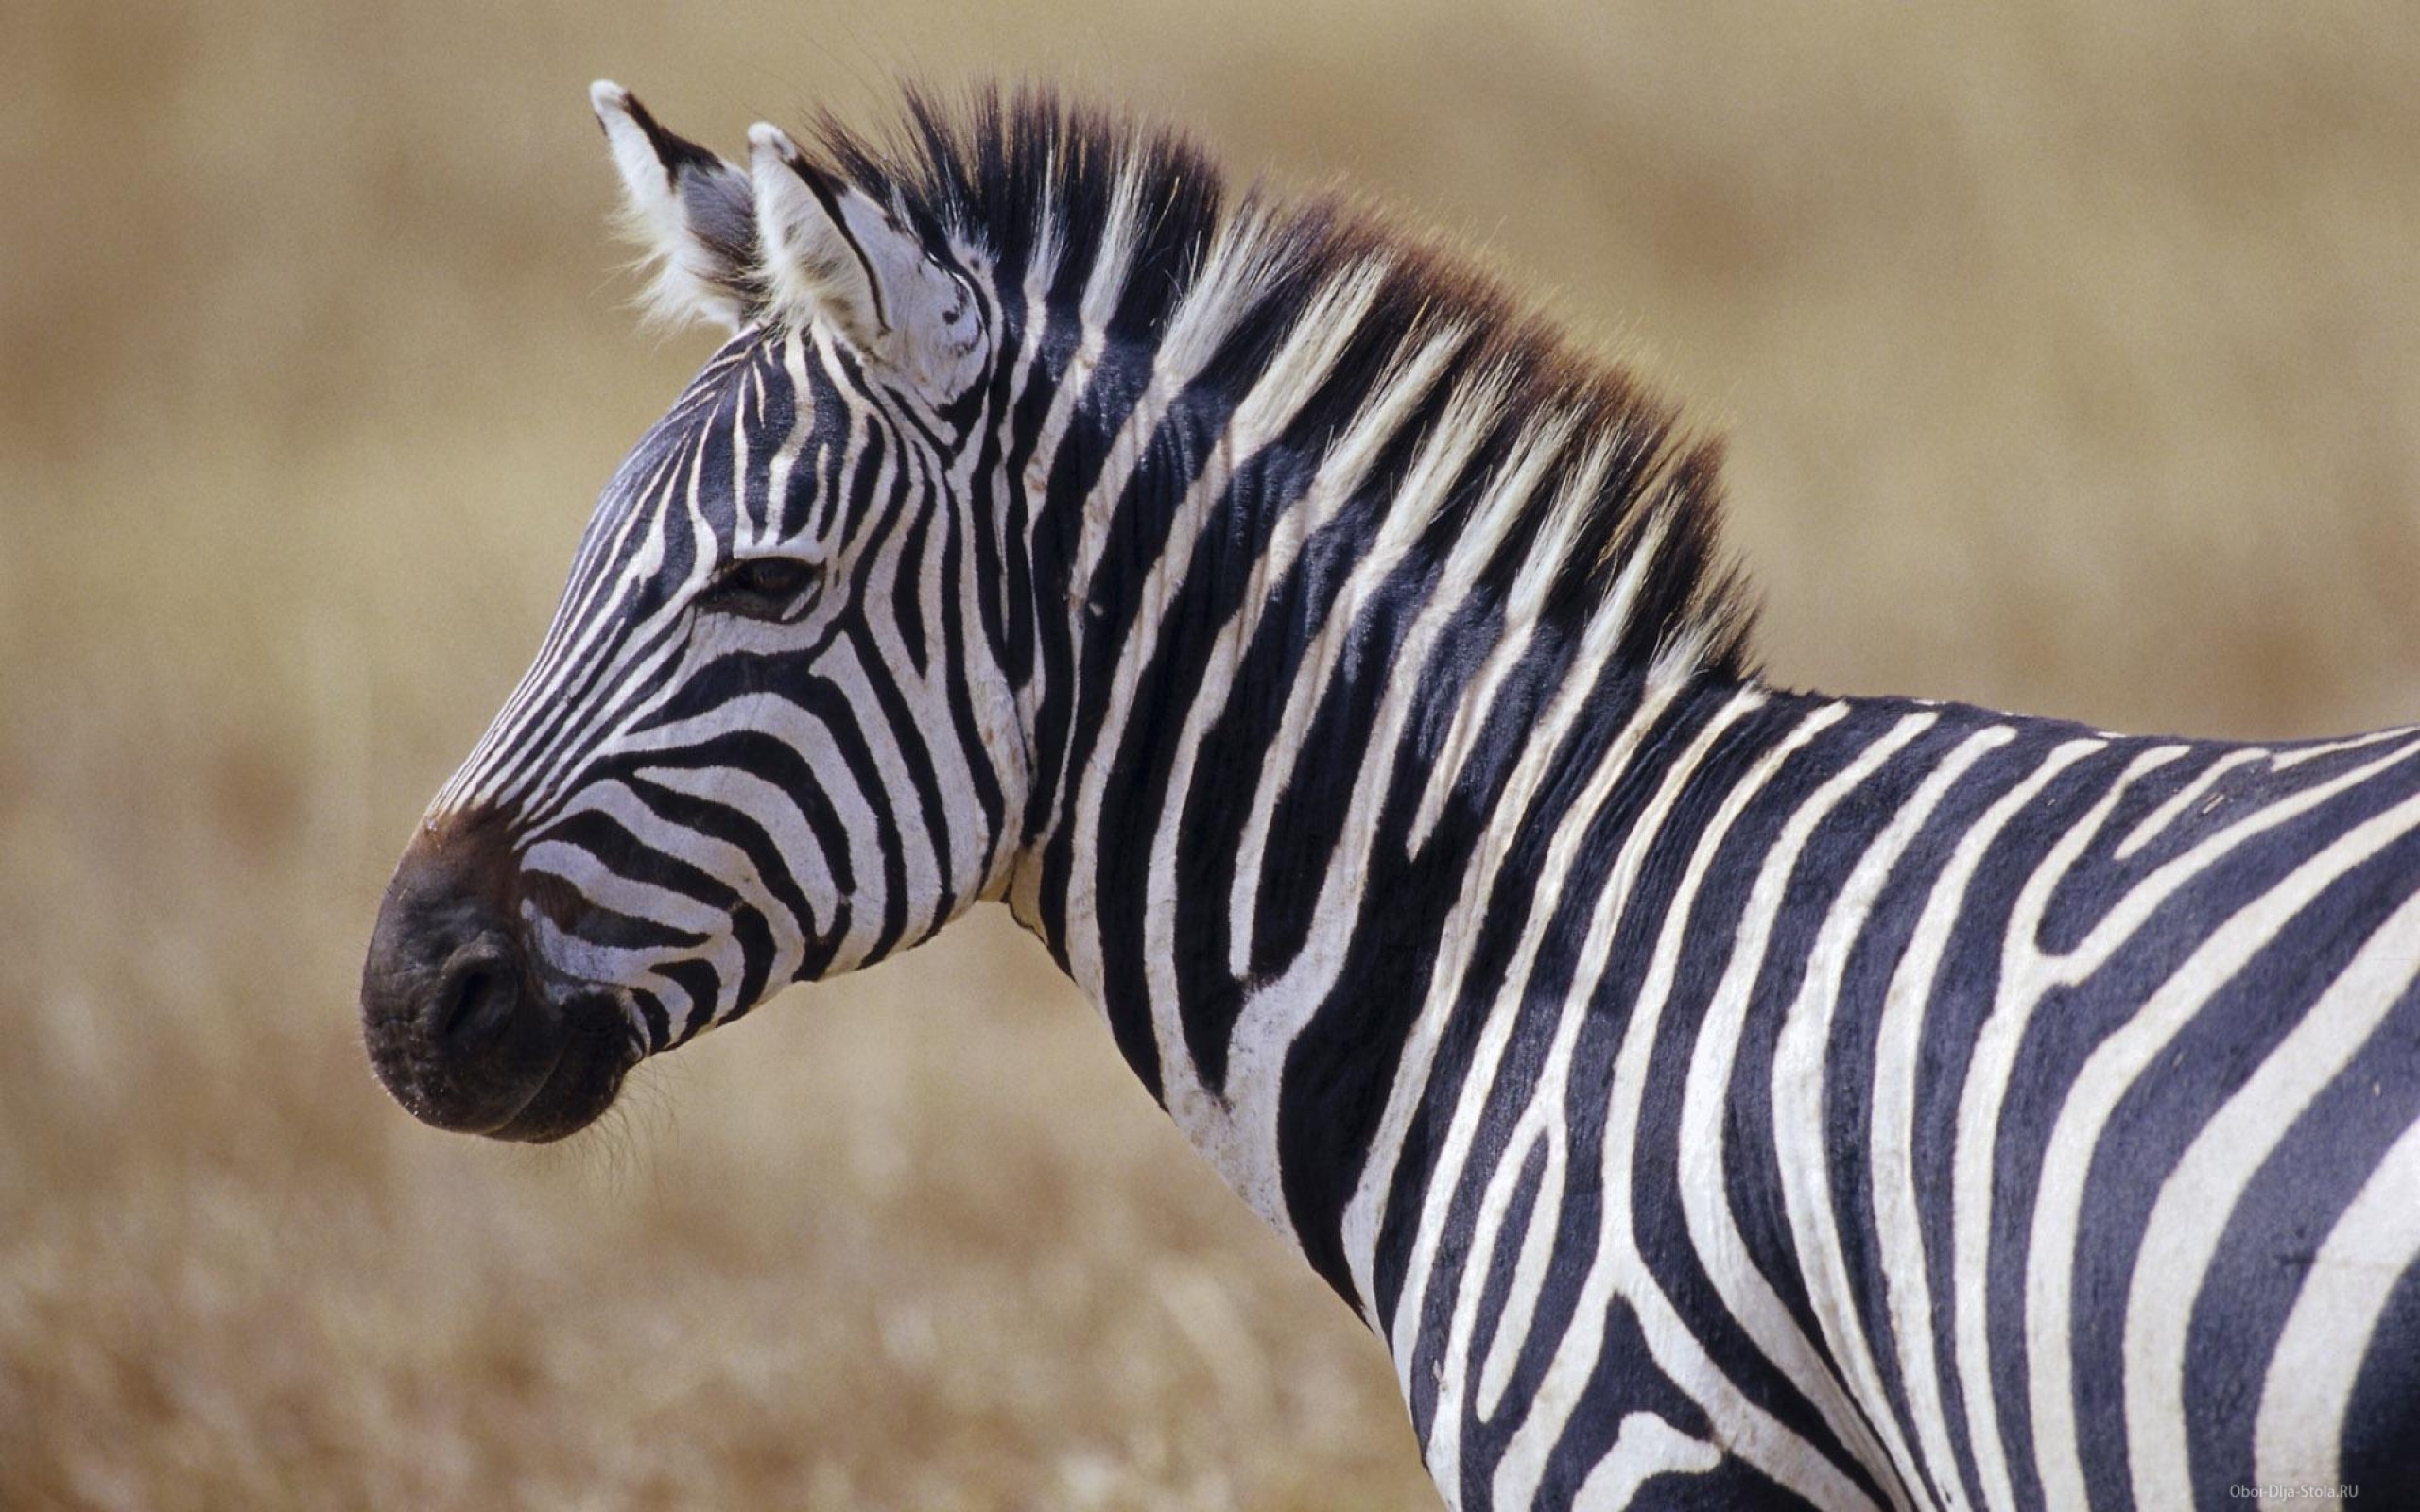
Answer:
[(767, 737)]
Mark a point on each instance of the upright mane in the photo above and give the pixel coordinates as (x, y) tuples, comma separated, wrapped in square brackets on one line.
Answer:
[(1054, 193)]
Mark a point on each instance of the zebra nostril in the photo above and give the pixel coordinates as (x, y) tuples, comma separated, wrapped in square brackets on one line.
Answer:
[(476, 997)]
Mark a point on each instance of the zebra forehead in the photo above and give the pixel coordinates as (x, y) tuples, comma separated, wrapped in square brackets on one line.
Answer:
[(718, 465)]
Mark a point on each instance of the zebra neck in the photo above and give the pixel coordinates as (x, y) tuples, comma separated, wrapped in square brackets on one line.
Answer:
[(1295, 776), (1297, 660)]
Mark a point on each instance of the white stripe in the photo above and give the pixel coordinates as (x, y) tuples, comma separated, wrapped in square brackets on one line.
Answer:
[(1747, 1295), (2028, 974), (1620, 1272), (1366, 1211), (2157, 822), (2074, 1138), (1446, 1178), (2200, 1195), (2298, 1431), (1525, 603), (1990, 1066), (1898, 1061), (1340, 475), (1799, 1082)]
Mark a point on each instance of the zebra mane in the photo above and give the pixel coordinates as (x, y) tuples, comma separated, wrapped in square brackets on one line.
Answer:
[(1577, 487)]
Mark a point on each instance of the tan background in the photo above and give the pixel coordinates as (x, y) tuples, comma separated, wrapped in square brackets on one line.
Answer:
[(2073, 359)]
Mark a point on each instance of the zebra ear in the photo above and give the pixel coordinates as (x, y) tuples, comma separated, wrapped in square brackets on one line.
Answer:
[(690, 210), (832, 252)]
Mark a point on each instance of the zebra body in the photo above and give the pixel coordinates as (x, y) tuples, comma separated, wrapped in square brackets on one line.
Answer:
[(1710, 1092)]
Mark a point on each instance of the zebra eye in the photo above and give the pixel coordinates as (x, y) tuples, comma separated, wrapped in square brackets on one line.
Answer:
[(764, 588)]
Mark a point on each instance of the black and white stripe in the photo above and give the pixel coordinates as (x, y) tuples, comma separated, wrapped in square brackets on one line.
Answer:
[(1712, 1093)]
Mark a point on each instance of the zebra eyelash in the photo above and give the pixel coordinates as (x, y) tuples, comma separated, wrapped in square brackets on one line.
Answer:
[(760, 588)]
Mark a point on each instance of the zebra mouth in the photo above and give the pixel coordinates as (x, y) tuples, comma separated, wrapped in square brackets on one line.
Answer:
[(587, 1075)]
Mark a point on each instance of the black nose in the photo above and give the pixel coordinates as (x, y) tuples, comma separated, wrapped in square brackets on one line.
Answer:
[(459, 1026), (476, 997)]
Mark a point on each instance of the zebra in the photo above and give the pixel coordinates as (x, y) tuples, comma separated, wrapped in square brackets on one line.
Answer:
[(1709, 1092)]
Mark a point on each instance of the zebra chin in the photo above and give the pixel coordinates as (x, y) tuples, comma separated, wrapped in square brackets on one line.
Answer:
[(463, 1025)]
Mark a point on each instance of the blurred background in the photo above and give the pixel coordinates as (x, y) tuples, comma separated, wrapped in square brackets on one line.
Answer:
[(2071, 353)]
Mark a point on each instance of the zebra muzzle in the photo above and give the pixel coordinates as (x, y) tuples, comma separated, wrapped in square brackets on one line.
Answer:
[(461, 1026)]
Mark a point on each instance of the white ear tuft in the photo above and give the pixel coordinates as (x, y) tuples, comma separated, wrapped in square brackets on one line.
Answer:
[(689, 210), (814, 265), (831, 253)]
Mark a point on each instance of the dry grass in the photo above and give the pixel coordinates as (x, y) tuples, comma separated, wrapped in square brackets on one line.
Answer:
[(2073, 356)]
